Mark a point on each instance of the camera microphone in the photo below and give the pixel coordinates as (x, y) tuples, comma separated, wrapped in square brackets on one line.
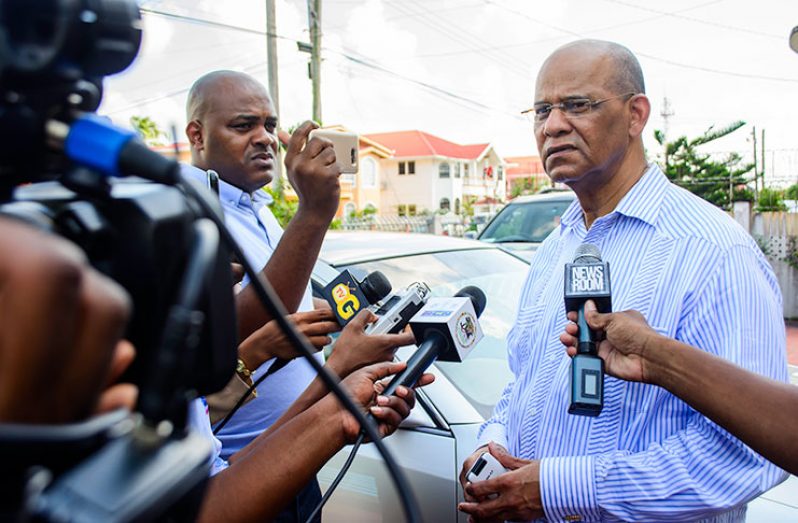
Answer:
[(347, 296), (94, 142), (447, 329), (587, 278)]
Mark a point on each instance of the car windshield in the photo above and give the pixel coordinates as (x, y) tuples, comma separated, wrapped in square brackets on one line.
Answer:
[(483, 375), (525, 222)]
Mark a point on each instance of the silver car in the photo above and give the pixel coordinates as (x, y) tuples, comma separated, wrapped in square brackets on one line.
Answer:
[(441, 432)]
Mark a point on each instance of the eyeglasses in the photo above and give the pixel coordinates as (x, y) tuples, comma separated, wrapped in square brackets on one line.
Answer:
[(571, 108)]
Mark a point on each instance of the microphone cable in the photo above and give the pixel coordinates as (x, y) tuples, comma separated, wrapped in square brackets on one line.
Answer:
[(341, 473), (272, 305)]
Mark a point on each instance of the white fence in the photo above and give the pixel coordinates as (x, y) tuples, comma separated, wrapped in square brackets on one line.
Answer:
[(777, 235), (422, 224)]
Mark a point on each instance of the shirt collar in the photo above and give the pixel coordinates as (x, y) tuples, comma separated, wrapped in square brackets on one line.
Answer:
[(234, 195), (645, 198), (643, 201)]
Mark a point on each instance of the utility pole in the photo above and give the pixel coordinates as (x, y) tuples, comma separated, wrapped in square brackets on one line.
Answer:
[(763, 158), (666, 114), (274, 85), (314, 21), (756, 167)]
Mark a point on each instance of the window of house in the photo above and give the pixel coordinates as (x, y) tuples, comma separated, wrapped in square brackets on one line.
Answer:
[(349, 210), (401, 210), (368, 172), (411, 210), (457, 170), (349, 178), (465, 170), (411, 167), (443, 170), (457, 205), (500, 172), (401, 167), (445, 205)]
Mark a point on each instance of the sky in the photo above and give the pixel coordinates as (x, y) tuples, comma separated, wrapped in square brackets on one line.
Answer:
[(465, 69)]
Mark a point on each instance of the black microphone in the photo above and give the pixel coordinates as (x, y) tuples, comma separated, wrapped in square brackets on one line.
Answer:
[(587, 278), (347, 296), (447, 329)]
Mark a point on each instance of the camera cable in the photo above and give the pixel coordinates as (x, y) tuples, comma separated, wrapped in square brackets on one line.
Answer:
[(272, 304)]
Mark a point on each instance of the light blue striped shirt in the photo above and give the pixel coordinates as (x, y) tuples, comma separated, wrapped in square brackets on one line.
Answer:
[(696, 276), (255, 229)]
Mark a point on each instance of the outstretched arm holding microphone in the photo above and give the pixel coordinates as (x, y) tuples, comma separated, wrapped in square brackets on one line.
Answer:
[(750, 406)]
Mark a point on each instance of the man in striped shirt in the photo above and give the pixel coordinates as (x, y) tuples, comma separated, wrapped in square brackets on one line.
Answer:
[(693, 273)]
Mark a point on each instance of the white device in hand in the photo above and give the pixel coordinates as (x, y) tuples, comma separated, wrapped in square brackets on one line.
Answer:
[(395, 312), (345, 145), (484, 468)]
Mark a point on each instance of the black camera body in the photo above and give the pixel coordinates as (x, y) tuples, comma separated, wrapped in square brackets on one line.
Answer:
[(55, 161), (140, 235)]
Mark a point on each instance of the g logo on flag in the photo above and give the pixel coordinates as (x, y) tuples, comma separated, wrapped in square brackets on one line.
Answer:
[(346, 303)]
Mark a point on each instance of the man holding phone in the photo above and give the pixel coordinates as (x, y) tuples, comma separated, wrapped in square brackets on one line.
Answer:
[(232, 129)]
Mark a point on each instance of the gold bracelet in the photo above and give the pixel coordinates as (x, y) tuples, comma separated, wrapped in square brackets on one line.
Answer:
[(241, 368)]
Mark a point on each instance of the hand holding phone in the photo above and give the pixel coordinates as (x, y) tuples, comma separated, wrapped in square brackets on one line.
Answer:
[(484, 468), (345, 146)]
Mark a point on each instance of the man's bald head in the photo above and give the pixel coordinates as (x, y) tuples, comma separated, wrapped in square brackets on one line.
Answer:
[(600, 147), (626, 75), (214, 84), (232, 126)]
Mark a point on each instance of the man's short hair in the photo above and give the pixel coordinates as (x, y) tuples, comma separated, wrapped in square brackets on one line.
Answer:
[(628, 77), (197, 101)]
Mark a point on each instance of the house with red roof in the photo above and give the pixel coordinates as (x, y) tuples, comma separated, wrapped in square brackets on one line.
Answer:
[(362, 190), (526, 172), (429, 173), (359, 191)]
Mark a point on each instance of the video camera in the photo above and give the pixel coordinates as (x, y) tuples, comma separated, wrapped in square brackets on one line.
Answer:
[(56, 158)]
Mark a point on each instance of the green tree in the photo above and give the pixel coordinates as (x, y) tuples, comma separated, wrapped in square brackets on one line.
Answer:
[(711, 179), (468, 205), (148, 130), (770, 200), (282, 208), (792, 192)]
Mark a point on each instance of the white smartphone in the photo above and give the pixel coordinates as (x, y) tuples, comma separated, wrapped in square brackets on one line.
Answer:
[(345, 146), (484, 468)]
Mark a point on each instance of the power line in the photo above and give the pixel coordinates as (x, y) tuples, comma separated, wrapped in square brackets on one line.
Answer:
[(210, 23), (441, 92), (448, 30), (416, 15), (553, 38), (652, 57), (718, 71), (698, 20)]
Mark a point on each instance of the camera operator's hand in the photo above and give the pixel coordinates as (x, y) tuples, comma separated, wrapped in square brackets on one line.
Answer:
[(60, 321), (119, 395), (365, 386), (270, 342), (313, 172), (627, 337), (355, 349)]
